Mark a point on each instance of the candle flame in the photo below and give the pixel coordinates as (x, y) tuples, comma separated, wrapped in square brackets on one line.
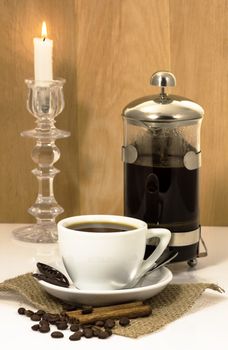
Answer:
[(44, 31)]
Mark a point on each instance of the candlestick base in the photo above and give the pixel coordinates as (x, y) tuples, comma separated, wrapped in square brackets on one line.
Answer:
[(37, 233)]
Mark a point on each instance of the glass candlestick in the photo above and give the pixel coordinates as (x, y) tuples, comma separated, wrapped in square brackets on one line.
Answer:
[(45, 101)]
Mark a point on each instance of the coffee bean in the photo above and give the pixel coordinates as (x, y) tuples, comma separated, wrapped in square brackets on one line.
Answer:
[(44, 323), (103, 335), (44, 329), (74, 327), (76, 336), (61, 325), (21, 310), (62, 320), (96, 331), (69, 307), (88, 333), (86, 309), (40, 312), (109, 323), (57, 334), (35, 317), (29, 313), (35, 327), (52, 318), (124, 321), (73, 320), (109, 331)]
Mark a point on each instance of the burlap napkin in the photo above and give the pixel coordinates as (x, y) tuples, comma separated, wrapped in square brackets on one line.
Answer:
[(172, 303)]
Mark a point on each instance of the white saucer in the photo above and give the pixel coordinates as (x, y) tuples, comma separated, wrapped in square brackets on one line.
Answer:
[(150, 285)]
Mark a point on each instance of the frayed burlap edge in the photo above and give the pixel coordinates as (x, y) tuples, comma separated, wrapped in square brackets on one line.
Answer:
[(169, 305), (29, 288)]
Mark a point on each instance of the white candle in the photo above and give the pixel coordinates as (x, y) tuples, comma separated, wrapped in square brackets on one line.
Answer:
[(43, 56)]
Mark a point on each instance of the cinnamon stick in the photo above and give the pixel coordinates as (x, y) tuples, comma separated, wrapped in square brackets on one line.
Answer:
[(130, 310)]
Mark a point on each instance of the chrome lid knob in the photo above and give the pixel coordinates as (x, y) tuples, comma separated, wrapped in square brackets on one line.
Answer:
[(163, 79)]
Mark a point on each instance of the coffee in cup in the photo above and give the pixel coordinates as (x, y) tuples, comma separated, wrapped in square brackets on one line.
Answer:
[(105, 252)]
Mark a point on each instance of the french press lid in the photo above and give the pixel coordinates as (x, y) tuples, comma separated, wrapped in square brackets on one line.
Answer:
[(163, 108)]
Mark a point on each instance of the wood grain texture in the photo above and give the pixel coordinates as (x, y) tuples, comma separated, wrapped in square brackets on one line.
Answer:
[(21, 21), (199, 53), (107, 51), (120, 44)]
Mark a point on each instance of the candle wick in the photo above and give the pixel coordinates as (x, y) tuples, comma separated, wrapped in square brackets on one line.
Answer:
[(44, 38)]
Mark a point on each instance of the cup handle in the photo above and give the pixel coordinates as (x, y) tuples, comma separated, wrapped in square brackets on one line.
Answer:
[(164, 236)]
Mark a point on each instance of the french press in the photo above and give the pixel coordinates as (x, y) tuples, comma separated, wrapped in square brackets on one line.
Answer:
[(162, 157)]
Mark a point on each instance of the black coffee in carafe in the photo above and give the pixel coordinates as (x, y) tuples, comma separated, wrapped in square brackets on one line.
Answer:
[(161, 155), (164, 196)]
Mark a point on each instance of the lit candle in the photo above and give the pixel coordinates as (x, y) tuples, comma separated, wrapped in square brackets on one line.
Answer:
[(43, 56)]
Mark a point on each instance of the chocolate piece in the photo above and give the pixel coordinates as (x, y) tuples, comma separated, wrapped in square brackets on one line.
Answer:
[(51, 275), (51, 280)]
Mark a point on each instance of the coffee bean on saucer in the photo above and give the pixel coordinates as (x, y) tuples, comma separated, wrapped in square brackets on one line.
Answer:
[(21, 310), (76, 336), (124, 321), (35, 327), (109, 323), (57, 334)]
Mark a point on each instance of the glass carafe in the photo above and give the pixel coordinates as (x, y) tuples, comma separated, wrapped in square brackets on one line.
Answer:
[(162, 157)]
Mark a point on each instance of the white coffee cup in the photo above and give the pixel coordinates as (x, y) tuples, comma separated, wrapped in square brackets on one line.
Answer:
[(108, 260)]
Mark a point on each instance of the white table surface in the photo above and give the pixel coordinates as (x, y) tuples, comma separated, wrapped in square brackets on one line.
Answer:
[(204, 327)]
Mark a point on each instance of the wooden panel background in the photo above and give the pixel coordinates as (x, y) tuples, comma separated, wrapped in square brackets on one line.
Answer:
[(107, 51)]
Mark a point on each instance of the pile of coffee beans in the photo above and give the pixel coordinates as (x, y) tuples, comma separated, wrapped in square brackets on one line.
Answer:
[(45, 321)]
